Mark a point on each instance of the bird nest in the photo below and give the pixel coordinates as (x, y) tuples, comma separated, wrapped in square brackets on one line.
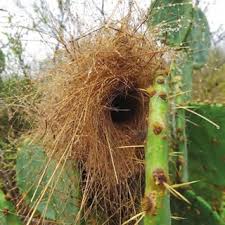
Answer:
[(93, 110)]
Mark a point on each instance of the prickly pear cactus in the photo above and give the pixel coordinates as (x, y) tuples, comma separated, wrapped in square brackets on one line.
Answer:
[(199, 212), (46, 184), (198, 39), (206, 152), (184, 27), (171, 20)]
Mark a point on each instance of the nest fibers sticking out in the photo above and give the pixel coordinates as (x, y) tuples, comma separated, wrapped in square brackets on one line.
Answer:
[(95, 113)]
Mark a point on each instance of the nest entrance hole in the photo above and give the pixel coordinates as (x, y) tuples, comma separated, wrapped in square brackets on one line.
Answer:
[(125, 106)]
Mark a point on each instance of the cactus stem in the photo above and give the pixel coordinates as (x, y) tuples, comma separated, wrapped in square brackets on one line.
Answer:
[(156, 203)]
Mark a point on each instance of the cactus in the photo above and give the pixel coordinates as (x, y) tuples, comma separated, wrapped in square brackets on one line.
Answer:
[(207, 144), (63, 188), (198, 213), (181, 85), (156, 201), (206, 163), (198, 39), (185, 28), (163, 20)]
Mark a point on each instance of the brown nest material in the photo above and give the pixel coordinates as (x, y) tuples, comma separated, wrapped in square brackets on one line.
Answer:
[(95, 113)]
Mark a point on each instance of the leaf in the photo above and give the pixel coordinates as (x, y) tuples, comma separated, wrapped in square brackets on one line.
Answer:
[(7, 212), (198, 39), (170, 20), (60, 201)]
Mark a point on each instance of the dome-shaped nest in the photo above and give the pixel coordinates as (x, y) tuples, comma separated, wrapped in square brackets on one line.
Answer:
[(94, 111)]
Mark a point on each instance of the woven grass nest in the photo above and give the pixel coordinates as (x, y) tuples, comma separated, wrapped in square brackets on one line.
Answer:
[(94, 109)]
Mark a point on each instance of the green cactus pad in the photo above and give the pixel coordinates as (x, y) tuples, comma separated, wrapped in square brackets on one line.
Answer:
[(170, 20), (60, 201), (198, 213), (207, 153), (198, 39), (183, 67)]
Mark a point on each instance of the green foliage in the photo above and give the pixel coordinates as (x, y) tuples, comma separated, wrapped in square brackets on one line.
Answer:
[(15, 45), (209, 83), (15, 87), (14, 49), (7, 212), (171, 20), (57, 184), (16, 94), (2, 61)]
